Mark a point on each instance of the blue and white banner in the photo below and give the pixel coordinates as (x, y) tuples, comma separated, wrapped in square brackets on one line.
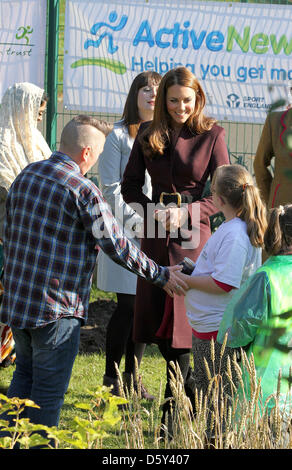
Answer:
[(22, 42), (241, 53)]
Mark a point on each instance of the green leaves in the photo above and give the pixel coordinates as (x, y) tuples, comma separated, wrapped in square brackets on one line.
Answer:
[(102, 413)]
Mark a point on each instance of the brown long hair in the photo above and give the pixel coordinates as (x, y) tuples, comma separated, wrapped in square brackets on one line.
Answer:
[(278, 237), (236, 186), (154, 138), (130, 116)]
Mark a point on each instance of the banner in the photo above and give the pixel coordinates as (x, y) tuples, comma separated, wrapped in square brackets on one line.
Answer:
[(241, 53), (22, 42)]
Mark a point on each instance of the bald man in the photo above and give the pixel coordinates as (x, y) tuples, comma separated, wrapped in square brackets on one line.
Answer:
[(53, 219)]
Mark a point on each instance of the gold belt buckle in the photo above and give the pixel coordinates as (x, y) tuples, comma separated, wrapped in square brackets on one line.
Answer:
[(170, 194)]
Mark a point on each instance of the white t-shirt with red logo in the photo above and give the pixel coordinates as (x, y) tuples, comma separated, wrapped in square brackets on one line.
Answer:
[(228, 257)]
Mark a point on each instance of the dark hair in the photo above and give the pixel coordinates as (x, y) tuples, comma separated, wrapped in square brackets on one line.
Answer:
[(130, 116), (235, 184), (102, 126), (44, 98), (278, 237)]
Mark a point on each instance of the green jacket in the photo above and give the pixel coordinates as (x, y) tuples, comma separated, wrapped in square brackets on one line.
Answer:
[(260, 304)]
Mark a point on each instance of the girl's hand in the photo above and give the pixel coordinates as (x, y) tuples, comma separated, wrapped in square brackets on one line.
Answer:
[(175, 285), (185, 278)]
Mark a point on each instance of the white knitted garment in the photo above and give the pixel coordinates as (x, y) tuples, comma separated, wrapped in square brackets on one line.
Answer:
[(21, 142)]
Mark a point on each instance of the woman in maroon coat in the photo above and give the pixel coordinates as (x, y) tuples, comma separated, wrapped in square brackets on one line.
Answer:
[(180, 148)]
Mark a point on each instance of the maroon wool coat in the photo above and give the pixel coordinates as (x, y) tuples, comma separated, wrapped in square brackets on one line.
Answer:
[(184, 168)]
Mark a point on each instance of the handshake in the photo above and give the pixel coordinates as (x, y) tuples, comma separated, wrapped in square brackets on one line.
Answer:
[(178, 279)]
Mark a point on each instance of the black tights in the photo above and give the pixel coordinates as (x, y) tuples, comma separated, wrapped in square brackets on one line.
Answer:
[(182, 357), (119, 337)]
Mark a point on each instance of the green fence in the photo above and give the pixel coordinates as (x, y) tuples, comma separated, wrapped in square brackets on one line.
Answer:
[(241, 138)]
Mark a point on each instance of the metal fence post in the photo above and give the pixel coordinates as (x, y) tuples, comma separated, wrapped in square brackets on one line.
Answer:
[(52, 72)]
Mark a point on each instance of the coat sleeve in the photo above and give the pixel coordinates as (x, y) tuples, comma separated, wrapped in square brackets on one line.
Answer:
[(262, 160), (219, 156), (134, 179), (109, 173)]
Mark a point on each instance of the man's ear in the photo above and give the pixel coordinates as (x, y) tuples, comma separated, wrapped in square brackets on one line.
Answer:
[(84, 154)]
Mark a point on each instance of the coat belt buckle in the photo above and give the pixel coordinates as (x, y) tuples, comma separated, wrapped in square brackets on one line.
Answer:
[(174, 195)]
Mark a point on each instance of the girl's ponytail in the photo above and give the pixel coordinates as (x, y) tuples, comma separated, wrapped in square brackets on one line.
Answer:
[(253, 212), (278, 237)]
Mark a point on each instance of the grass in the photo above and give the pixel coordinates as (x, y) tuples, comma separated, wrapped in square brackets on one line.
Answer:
[(97, 294), (246, 424), (140, 421), (88, 373)]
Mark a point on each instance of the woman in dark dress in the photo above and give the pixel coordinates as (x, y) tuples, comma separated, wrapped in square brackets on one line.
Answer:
[(181, 148)]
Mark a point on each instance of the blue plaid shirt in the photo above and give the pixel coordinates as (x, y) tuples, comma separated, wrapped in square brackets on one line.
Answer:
[(56, 220)]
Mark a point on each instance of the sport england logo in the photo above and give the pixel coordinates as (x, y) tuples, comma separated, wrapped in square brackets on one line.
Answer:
[(233, 101), (111, 64)]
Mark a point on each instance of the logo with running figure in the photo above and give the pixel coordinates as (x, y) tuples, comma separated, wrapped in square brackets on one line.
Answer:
[(98, 29), (97, 26), (22, 33)]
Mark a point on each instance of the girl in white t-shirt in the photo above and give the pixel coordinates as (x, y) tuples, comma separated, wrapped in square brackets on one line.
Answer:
[(228, 258)]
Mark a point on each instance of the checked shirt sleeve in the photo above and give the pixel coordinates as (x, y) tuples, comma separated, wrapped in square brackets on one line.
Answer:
[(100, 222)]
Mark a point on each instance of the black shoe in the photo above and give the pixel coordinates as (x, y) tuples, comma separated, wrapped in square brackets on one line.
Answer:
[(114, 383)]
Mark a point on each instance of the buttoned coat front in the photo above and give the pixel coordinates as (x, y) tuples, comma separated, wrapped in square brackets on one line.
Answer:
[(185, 168)]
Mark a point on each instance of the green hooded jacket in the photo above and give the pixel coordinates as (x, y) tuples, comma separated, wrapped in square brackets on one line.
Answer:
[(257, 314)]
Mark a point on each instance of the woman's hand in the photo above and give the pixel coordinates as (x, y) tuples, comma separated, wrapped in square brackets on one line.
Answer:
[(176, 284), (171, 218)]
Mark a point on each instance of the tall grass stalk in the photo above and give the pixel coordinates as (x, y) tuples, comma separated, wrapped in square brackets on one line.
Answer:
[(241, 421), (238, 421)]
